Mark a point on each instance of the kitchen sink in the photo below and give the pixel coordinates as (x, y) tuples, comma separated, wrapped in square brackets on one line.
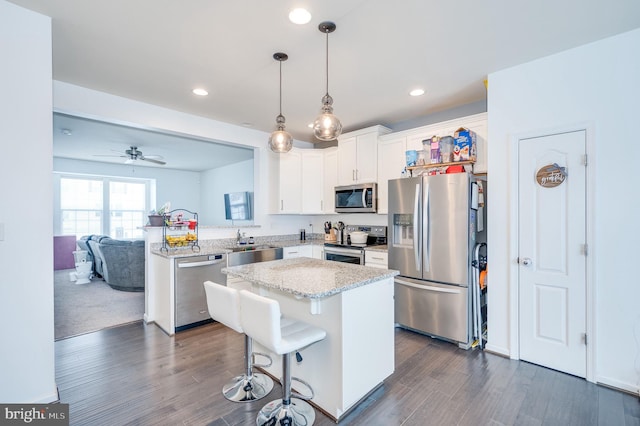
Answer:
[(243, 255)]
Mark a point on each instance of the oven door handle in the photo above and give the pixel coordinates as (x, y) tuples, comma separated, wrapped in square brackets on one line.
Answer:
[(338, 250)]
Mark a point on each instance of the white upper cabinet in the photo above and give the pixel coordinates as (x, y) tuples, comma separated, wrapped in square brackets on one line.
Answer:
[(290, 183), (391, 163), (330, 180), (358, 155), (312, 171)]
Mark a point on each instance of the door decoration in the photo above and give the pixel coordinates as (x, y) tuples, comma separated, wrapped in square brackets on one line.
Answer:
[(551, 175)]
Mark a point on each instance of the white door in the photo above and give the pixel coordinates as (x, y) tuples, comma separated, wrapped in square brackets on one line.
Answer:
[(552, 264)]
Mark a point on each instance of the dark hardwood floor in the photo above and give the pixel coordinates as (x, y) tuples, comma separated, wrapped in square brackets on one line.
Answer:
[(137, 375)]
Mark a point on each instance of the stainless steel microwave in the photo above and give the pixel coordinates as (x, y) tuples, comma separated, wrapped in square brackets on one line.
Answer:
[(360, 198)]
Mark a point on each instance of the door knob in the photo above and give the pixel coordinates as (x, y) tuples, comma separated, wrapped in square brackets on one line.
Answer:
[(526, 261)]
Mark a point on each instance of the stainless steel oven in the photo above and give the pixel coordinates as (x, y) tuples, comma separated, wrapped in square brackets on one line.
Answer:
[(341, 254)]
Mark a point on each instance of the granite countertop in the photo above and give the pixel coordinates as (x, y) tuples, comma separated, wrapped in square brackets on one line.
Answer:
[(208, 247), (310, 278)]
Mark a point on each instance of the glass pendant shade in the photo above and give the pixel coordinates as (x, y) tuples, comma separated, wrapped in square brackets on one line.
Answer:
[(280, 141), (326, 126)]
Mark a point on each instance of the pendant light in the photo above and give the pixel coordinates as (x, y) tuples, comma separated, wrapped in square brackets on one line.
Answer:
[(327, 127), (280, 141)]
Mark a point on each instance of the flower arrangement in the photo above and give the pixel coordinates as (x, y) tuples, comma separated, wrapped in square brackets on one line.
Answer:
[(158, 217)]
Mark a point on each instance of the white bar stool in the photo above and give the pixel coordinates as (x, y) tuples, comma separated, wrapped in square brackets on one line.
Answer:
[(224, 306), (261, 320)]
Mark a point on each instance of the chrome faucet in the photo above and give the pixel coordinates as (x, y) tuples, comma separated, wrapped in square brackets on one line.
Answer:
[(238, 237)]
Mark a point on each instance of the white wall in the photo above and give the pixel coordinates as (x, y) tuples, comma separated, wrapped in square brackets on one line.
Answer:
[(27, 372), (597, 84), (217, 182)]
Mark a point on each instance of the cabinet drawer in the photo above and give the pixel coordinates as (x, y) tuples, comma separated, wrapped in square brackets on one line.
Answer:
[(376, 259)]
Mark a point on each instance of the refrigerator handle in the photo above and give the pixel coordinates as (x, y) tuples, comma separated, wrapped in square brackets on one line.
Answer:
[(426, 222), (416, 230), (452, 290)]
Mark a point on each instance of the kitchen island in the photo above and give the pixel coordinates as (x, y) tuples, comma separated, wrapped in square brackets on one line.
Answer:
[(353, 303)]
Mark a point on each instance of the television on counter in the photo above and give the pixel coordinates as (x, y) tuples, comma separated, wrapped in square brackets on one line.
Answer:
[(238, 206)]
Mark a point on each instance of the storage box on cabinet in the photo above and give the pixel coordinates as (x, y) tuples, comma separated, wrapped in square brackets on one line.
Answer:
[(477, 123)]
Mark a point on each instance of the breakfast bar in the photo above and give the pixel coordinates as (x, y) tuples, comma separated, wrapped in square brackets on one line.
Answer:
[(352, 303)]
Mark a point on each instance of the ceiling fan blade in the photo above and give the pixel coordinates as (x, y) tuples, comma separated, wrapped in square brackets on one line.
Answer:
[(109, 155), (152, 160)]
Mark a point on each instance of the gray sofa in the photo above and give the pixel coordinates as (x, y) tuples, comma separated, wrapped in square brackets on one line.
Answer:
[(119, 262)]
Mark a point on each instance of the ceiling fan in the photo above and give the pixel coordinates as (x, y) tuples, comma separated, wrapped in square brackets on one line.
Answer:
[(133, 154)]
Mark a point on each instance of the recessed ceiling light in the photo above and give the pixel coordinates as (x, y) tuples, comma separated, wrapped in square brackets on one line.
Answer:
[(66, 132), (300, 16), (200, 92), (417, 92)]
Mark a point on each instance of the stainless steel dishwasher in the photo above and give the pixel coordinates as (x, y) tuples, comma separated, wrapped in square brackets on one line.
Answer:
[(190, 299)]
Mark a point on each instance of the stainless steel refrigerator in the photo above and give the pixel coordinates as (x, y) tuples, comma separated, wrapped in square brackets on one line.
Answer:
[(432, 233)]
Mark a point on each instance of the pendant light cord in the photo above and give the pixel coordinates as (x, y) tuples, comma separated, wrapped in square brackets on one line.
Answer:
[(327, 62), (280, 87)]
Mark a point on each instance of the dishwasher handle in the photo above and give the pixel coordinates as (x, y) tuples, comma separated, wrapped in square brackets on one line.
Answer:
[(197, 264)]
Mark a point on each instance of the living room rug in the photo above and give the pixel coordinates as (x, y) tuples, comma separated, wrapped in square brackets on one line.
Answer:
[(83, 308)]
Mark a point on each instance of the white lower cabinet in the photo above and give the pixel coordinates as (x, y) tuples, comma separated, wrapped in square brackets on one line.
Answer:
[(317, 252), (376, 259), (297, 251)]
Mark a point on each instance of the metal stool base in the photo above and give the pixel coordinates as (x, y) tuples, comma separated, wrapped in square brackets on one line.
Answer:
[(241, 389), (298, 413)]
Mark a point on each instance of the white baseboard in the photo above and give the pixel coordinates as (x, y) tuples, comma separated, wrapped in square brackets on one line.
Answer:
[(497, 350), (632, 388)]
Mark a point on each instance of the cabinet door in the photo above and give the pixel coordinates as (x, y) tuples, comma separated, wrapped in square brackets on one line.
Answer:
[(317, 252), (367, 158), (297, 251), (347, 158), (290, 183), (330, 180), (391, 162), (312, 171)]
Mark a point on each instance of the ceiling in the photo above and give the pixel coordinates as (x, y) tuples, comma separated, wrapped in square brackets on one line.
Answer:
[(89, 140), (157, 51)]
